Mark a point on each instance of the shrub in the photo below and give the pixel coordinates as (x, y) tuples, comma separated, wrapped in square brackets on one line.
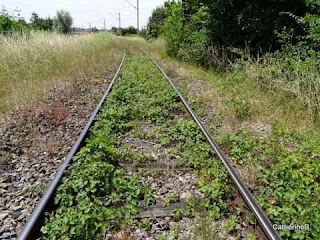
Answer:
[(10, 23), (128, 31)]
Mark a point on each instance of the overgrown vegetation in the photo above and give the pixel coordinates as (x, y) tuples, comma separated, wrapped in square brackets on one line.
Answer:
[(270, 135), (234, 25), (128, 31), (267, 69), (279, 48), (11, 23), (62, 22), (32, 63), (14, 23), (98, 196), (286, 175), (42, 24)]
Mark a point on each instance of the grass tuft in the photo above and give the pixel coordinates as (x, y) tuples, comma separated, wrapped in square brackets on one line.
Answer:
[(31, 64)]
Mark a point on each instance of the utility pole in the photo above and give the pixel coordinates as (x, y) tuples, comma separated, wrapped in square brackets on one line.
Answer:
[(137, 8), (104, 24), (118, 18), (138, 15)]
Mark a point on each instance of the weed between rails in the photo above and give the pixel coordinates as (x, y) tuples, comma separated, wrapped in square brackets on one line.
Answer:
[(281, 167), (284, 174), (97, 195)]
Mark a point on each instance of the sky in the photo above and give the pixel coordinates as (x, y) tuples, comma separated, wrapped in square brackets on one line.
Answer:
[(85, 12)]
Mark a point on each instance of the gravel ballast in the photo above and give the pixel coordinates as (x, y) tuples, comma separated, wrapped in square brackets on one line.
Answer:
[(35, 139)]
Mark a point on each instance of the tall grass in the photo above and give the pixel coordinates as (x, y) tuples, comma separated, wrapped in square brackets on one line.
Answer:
[(30, 64), (291, 75)]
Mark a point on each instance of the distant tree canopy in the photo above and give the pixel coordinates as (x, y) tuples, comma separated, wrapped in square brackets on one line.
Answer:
[(191, 26), (11, 23), (241, 22), (14, 23), (41, 23), (62, 22), (155, 22), (128, 30)]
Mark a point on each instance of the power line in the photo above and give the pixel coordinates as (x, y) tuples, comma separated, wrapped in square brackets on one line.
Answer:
[(118, 18), (137, 8), (131, 4)]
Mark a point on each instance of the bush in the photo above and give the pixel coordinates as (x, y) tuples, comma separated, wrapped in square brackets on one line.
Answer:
[(128, 31), (155, 23), (10, 23), (173, 28), (39, 23)]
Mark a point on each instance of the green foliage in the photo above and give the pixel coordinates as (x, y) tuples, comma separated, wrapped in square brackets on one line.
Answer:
[(196, 38), (145, 224), (143, 33), (155, 23), (227, 34), (288, 186), (11, 23), (173, 27), (241, 108), (171, 198), (178, 212), (62, 22), (294, 72), (293, 183), (200, 155), (39, 23), (200, 31), (162, 237), (129, 30), (231, 223), (97, 195), (251, 236)]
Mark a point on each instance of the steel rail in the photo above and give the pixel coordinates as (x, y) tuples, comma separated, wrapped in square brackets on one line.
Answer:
[(247, 196), (32, 227)]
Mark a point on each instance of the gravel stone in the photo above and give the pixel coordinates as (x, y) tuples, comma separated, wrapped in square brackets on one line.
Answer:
[(35, 139)]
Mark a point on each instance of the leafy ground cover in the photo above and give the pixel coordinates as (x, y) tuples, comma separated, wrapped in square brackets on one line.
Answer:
[(287, 174), (98, 195), (272, 138)]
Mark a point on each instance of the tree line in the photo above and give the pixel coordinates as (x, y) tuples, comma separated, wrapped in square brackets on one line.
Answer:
[(10, 23), (193, 28)]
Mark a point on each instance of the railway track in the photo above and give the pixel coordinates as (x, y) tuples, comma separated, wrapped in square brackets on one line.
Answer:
[(144, 155)]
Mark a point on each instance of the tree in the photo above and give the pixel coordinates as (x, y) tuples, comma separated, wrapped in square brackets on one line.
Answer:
[(192, 27), (62, 22), (129, 30), (11, 23), (41, 23), (173, 27), (155, 22)]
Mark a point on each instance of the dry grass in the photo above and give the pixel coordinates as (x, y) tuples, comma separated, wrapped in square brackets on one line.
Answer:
[(243, 98), (32, 64)]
